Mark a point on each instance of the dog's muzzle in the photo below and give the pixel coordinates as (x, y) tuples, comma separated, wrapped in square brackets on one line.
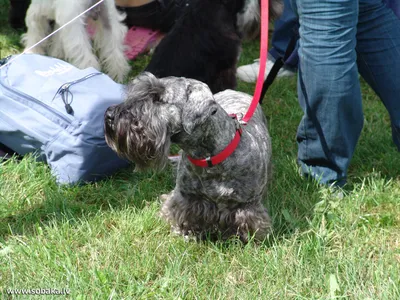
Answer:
[(109, 117)]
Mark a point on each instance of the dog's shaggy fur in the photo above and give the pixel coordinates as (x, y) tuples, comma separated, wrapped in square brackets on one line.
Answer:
[(249, 20), (204, 44), (73, 43), (226, 198)]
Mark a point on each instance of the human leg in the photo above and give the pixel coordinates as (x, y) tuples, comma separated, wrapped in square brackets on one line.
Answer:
[(378, 51), (393, 5), (329, 89), (285, 28)]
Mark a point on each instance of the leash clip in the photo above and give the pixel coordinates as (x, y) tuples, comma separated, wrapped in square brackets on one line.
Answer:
[(239, 119), (238, 123), (209, 162)]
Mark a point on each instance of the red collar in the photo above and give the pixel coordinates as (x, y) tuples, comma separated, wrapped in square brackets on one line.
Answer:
[(220, 157)]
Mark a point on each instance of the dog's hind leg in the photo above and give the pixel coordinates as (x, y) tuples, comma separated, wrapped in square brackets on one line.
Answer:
[(189, 216), (109, 40), (38, 27), (248, 220)]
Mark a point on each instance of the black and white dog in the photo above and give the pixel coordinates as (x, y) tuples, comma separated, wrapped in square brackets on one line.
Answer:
[(205, 42)]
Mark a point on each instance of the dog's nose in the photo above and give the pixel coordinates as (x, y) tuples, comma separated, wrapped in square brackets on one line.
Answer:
[(109, 116)]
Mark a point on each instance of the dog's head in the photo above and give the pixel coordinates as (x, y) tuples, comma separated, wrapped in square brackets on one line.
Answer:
[(154, 112)]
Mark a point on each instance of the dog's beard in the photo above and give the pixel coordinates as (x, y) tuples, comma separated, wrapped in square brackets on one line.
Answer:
[(146, 146)]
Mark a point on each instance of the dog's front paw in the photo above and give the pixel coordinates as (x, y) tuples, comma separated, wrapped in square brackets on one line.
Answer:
[(187, 235), (117, 68), (253, 222)]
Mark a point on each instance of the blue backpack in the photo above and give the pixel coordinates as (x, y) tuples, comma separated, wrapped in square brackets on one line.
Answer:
[(51, 108)]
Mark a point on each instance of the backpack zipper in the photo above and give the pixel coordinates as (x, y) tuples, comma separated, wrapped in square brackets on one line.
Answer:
[(64, 88), (66, 93)]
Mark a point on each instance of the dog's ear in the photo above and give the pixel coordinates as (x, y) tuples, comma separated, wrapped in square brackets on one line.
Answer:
[(144, 86), (199, 107)]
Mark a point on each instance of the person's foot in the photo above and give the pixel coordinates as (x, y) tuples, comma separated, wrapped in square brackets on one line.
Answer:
[(249, 73)]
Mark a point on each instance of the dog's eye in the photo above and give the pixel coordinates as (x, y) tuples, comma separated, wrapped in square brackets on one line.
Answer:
[(214, 111)]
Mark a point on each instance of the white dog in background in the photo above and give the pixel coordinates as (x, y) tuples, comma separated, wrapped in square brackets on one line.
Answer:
[(73, 42)]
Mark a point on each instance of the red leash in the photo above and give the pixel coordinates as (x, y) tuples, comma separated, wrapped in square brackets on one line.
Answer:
[(220, 157), (263, 60)]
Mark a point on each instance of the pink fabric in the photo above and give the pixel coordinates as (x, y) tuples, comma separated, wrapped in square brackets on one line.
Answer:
[(138, 39)]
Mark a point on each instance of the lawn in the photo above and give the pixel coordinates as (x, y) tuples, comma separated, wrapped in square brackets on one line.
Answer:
[(106, 241)]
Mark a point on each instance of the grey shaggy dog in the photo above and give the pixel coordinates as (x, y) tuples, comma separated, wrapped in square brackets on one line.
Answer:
[(223, 200)]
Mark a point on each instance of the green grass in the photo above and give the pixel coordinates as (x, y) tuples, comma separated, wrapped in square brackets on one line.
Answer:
[(105, 240)]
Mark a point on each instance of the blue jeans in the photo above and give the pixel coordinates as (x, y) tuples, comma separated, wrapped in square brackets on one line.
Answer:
[(394, 5), (285, 28), (338, 39)]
